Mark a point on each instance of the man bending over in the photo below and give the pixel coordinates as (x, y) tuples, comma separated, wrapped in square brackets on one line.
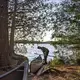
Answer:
[(45, 52)]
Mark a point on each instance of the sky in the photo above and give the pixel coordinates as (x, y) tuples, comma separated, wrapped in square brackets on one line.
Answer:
[(48, 36)]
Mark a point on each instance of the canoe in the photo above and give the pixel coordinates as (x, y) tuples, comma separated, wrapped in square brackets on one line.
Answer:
[(18, 73)]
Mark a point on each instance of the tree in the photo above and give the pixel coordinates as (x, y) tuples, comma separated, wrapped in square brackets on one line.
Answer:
[(6, 45), (69, 33), (31, 20), (75, 10), (4, 36), (13, 29)]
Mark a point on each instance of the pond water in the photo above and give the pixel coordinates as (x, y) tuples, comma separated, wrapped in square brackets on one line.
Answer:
[(35, 52), (31, 51)]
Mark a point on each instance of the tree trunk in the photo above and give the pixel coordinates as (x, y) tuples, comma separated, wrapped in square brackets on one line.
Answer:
[(4, 40), (12, 29)]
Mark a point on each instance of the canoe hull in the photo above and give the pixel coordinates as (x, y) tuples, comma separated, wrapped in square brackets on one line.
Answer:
[(18, 73), (15, 75)]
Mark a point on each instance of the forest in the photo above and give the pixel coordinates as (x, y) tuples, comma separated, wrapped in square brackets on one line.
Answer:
[(24, 23)]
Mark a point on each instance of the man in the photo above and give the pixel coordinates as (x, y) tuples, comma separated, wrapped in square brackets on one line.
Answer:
[(45, 52)]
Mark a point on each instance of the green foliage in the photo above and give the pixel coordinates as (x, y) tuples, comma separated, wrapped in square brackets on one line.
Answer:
[(56, 62), (31, 19), (72, 62), (75, 0), (78, 61)]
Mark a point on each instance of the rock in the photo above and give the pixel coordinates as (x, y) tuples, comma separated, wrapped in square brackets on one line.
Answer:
[(43, 69), (36, 64)]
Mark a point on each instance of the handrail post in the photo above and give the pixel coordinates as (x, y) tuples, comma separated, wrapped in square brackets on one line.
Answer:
[(25, 75)]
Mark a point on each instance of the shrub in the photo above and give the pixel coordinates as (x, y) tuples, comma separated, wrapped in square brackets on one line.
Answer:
[(78, 61), (56, 62)]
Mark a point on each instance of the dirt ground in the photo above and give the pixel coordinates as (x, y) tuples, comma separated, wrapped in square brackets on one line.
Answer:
[(66, 73)]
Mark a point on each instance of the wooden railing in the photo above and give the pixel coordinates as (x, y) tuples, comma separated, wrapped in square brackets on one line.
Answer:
[(18, 73)]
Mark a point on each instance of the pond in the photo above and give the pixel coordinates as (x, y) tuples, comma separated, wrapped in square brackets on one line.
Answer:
[(31, 51)]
